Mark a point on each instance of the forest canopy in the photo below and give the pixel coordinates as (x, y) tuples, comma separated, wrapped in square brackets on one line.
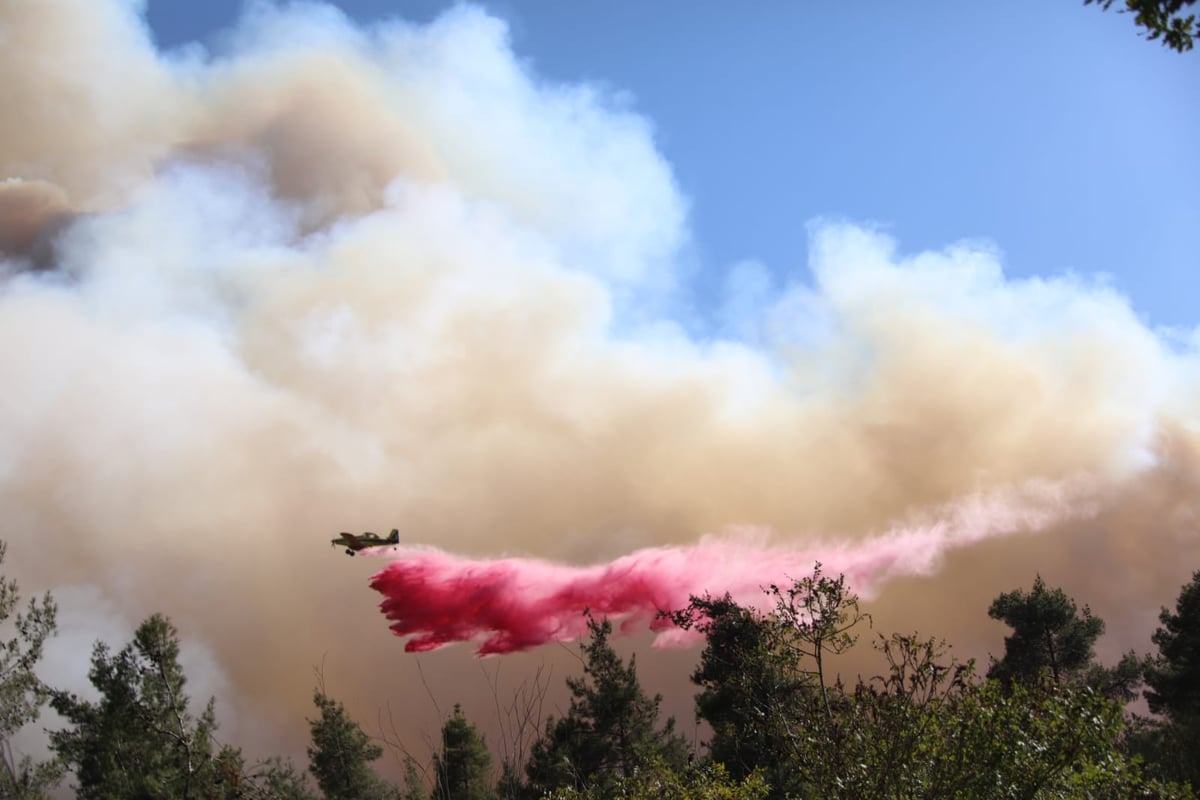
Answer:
[(1046, 720)]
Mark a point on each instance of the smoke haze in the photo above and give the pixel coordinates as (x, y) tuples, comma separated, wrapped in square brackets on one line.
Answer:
[(329, 277)]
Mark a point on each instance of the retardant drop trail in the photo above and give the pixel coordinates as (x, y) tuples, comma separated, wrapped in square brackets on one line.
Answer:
[(513, 604)]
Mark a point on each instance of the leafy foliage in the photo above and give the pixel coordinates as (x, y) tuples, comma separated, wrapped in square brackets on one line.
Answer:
[(1053, 640), (139, 740), (463, 768), (1168, 748), (1173, 676), (1049, 634), (276, 779), (818, 614), (414, 787), (1161, 19), (928, 727), (1121, 682), (1047, 724), (658, 781), (1170, 745), (510, 786), (272, 779), (763, 676), (21, 692), (609, 731), (340, 754), (746, 683)]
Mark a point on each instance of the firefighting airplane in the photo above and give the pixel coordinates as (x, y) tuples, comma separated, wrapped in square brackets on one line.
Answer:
[(355, 543)]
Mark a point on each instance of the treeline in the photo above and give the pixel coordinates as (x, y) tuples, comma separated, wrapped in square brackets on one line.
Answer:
[(1044, 721)]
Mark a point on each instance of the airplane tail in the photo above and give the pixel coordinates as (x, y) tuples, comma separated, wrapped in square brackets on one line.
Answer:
[(394, 538)]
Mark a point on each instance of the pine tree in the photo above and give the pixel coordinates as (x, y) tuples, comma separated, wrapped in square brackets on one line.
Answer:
[(763, 677), (609, 731), (1173, 689), (1173, 676), (1049, 633), (271, 779), (463, 768), (277, 779), (510, 786), (414, 787), (659, 782), (21, 693), (746, 683), (139, 740), (340, 755), (925, 729)]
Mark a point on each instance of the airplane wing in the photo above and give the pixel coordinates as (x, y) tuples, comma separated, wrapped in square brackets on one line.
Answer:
[(353, 542)]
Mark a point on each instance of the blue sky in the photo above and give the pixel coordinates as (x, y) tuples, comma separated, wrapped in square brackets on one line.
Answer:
[(1051, 129)]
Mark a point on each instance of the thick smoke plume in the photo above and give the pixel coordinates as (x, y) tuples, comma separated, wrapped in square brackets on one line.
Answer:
[(324, 277)]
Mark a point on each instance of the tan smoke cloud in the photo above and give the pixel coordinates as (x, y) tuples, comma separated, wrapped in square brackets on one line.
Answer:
[(28, 211), (343, 279)]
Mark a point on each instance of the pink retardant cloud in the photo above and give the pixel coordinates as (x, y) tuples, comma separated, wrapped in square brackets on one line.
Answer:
[(511, 604)]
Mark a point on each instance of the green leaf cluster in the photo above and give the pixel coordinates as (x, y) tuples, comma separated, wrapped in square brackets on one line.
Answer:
[(340, 754), (22, 694), (1049, 634), (1160, 19), (658, 780), (462, 769), (610, 731), (929, 727), (139, 739)]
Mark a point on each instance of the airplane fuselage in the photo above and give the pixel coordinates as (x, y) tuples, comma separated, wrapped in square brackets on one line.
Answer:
[(355, 542)]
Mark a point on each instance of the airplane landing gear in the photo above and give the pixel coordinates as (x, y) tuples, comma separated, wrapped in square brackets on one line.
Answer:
[(349, 552)]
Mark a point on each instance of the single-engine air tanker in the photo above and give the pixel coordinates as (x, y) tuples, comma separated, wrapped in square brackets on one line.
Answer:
[(355, 542)]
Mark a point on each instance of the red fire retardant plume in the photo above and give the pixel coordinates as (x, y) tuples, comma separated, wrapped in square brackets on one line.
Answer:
[(511, 604)]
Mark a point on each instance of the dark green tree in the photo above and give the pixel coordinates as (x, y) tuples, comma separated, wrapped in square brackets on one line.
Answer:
[(928, 728), (1122, 682), (139, 740), (609, 731), (271, 779), (510, 786), (1173, 690), (1167, 747), (658, 781), (1173, 676), (1034, 741), (340, 754), (414, 785), (764, 678), (22, 695), (1161, 19), (1049, 634), (747, 684), (463, 768), (277, 779), (817, 614)]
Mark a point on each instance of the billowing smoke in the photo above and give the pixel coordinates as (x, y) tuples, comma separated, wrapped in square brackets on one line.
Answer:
[(329, 277)]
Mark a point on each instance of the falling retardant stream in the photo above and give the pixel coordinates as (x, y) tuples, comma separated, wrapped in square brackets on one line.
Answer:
[(436, 598)]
